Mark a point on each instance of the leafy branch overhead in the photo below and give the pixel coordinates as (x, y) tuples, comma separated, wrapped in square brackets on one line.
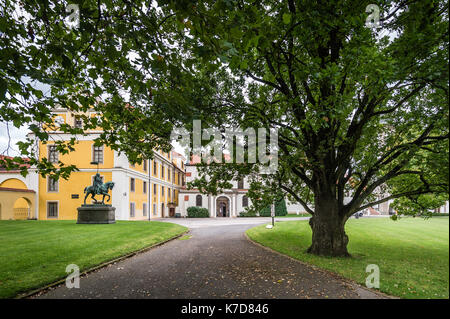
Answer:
[(362, 113)]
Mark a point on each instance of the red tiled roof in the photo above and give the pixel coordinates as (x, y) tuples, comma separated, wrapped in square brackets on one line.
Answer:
[(8, 189), (4, 158)]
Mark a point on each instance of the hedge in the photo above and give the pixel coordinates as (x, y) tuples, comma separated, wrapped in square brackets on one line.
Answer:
[(197, 212), (280, 209), (248, 214)]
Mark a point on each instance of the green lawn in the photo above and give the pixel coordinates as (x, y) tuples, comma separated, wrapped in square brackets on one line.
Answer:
[(295, 215), (411, 253), (36, 253)]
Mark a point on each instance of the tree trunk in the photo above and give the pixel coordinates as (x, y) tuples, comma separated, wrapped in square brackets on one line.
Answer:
[(328, 230)]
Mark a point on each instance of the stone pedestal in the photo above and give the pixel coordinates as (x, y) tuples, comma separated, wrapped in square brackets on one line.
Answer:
[(96, 214)]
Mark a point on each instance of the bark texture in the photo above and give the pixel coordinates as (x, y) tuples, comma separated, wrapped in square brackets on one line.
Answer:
[(328, 230)]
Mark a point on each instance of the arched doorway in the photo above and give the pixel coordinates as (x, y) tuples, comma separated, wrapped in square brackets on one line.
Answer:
[(222, 207), (21, 209), (17, 202)]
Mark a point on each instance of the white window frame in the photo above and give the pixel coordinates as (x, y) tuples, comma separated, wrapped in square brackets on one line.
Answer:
[(49, 153), (94, 152), (144, 209), (57, 209), (133, 204), (48, 185)]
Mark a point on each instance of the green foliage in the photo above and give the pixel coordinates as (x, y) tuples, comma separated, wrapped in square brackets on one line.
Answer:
[(356, 109), (419, 205), (248, 214), (280, 209), (197, 212), (46, 64)]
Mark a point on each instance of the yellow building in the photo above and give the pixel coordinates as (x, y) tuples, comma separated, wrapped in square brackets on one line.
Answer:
[(153, 184)]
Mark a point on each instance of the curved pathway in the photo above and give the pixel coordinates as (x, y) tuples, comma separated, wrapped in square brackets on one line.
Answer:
[(217, 261)]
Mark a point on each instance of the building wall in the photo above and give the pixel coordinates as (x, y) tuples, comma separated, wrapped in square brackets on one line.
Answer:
[(16, 180), (114, 168), (67, 206)]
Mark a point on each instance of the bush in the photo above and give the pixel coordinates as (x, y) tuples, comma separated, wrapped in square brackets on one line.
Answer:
[(433, 214), (248, 214), (197, 212), (440, 214), (280, 209)]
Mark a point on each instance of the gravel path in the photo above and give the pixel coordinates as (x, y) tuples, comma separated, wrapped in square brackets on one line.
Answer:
[(214, 262)]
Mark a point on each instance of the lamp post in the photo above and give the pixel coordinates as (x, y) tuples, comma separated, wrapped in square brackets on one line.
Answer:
[(149, 190), (95, 163), (272, 213)]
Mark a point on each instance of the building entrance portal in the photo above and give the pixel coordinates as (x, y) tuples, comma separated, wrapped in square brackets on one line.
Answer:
[(222, 207)]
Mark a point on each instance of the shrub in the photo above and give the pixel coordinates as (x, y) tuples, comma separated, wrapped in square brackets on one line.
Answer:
[(440, 214), (248, 214), (280, 209), (197, 212)]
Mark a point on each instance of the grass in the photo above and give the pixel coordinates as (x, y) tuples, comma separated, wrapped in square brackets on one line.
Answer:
[(411, 253), (36, 253), (295, 215), (287, 215)]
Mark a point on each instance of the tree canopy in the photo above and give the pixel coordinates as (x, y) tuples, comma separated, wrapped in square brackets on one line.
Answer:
[(361, 108)]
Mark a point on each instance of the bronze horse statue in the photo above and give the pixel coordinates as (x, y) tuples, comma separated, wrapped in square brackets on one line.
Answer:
[(101, 190)]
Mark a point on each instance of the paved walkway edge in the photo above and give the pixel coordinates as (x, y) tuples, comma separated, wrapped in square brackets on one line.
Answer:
[(362, 291), (102, 265)]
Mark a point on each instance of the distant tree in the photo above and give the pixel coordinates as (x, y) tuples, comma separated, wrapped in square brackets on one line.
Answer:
[(280, 209)]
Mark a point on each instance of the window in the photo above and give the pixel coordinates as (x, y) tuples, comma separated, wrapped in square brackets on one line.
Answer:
[(53, 154), (97, 154), (144, 209), (52, 209), (154, 209), (244, 201), (154, 189), (168, 174), (198, 201), (162, 190), (78, 122), (241, 183), (132, 209), (178, 182), (174, 195), (154, 168), (145, 165), (162, 171), (52, 184), (132, 185), (162, 209), (168, 193), (144, 187)]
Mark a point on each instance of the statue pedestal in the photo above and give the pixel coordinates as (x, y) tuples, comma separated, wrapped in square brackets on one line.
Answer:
[(96, 214)]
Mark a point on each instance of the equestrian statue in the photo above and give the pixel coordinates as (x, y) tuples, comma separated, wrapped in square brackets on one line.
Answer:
[(98, 188)]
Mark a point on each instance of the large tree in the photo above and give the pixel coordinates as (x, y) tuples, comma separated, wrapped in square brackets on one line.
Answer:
[(355, 103), (360, 108)]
